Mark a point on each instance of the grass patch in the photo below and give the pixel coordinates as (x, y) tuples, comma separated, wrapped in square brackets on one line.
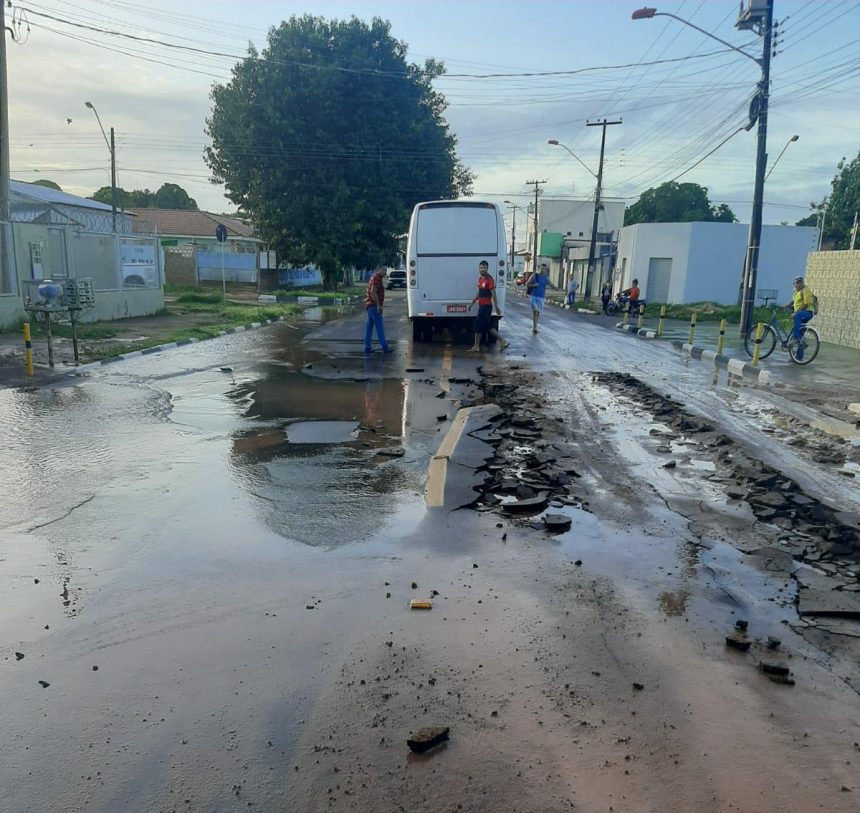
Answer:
[(707, 312), (92, 331), (215, 319)]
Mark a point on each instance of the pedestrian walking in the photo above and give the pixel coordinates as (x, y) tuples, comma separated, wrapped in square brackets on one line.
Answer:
[(486, 299), (373, 302), (537, 290), (571, 292), (605, 296)]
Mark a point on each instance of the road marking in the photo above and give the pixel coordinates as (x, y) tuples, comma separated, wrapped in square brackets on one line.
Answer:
[(447, 362)]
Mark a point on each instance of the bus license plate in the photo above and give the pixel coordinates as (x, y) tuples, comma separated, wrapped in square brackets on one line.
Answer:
[(457, 309)]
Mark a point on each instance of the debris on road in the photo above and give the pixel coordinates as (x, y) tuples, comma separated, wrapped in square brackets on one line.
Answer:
[(19, 656), (736, 641), (770, 668), (420, 604), (427, 738), (557, 523)]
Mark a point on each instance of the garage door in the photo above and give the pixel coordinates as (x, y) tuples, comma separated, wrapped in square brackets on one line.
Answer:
[(659, 276)]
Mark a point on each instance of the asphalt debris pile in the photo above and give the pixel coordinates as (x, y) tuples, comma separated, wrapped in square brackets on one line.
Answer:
[(531, 469), (811, 529)]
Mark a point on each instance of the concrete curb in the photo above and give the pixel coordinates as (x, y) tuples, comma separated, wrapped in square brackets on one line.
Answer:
[(160, 348), (644, 332), (453, 473), (733, 365)]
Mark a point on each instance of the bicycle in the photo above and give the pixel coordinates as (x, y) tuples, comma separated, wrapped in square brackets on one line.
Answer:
[(807, 347)]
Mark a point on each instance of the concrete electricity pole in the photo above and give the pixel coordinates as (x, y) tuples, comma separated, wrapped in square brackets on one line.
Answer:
[(537, 194), (758, 17), (4, 123), (854, 231), (513, 238), (764, 20), (593, 245)]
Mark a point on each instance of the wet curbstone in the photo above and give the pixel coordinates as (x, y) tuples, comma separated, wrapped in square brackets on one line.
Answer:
[(735, 366), (642, 332)]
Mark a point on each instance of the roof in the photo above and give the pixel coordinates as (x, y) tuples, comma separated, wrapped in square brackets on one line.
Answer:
[(22, 191), (186, 223)]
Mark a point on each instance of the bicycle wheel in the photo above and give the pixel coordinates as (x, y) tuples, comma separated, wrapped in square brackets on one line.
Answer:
[(807, 349), (768, 342)]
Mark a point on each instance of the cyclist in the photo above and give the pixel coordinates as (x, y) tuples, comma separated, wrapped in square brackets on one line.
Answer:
[(803, 303)]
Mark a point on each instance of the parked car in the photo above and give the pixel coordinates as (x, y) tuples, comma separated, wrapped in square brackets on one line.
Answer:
[(396, 279)]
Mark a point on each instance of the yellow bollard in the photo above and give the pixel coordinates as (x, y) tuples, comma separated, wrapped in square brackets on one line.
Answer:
[(28, 349), (639, 320), (722, 336), (692, 328), (759, 330), (660, 323)]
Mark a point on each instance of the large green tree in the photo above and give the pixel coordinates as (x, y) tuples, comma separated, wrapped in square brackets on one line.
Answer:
[(677, 203), (168, 196), (842, 204), (327, 139)]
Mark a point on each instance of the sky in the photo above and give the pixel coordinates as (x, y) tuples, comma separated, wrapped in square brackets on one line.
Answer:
[(673, 112)]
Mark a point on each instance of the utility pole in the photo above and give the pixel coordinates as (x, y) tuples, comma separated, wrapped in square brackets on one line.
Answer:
[(593, 244), (513, 238), (4, 127), (854, 232), (764, 21), (112, 177), (537, 194), (823, 221)]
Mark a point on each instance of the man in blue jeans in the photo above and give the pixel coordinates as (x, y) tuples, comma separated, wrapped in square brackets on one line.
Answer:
[(373, 301), (803, 302)]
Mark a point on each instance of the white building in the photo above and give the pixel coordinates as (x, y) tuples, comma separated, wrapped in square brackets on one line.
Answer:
[(703, 262), (567, 225)]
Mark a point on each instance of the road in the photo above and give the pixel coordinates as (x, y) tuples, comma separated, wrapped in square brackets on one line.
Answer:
[(208, 554)]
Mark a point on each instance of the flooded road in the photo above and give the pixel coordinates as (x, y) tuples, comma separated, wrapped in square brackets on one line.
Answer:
[(207, 555)]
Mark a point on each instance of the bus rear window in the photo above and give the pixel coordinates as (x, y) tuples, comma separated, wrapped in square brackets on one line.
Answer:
[(461, 231)]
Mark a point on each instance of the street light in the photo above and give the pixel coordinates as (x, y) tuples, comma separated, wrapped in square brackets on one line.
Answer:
[(790, 141), (112, 148), (514, 206), (557, 143), (757, 16)]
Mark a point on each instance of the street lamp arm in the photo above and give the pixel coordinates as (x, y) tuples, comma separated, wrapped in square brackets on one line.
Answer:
[(701, 30), (787, 144), (559, 144), (104, 135)]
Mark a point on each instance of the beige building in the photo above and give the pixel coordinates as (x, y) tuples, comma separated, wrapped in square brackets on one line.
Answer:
[(834, 277)]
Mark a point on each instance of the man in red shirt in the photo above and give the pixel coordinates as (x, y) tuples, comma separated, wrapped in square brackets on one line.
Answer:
[(373, 301), (486, 299)]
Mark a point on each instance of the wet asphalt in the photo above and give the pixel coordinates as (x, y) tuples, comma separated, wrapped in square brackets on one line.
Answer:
[(197, 545)]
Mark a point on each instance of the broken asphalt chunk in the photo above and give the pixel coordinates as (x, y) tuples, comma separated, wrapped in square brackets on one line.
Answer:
[(770, 668), (736, 641), (427, 738), (557, 523), (531, 505)]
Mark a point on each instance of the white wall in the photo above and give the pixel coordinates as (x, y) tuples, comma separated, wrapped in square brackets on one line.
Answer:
[(575, 216), (638, 244), (707, 258)]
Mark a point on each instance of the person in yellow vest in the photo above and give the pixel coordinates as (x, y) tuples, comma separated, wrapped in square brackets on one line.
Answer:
[(803, 303)]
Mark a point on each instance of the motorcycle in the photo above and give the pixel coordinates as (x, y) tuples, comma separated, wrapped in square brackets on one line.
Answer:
[(622, 303)]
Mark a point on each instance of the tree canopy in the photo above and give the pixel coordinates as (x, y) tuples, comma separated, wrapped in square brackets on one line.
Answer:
[(842, 204), (677, 203), (329, 137), (50, 184), (168, 196)]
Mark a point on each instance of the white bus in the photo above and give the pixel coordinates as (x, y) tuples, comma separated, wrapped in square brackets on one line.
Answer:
[(447, 239)]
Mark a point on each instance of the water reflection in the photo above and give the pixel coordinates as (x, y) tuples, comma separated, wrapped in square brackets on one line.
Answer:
[(306, 449)]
